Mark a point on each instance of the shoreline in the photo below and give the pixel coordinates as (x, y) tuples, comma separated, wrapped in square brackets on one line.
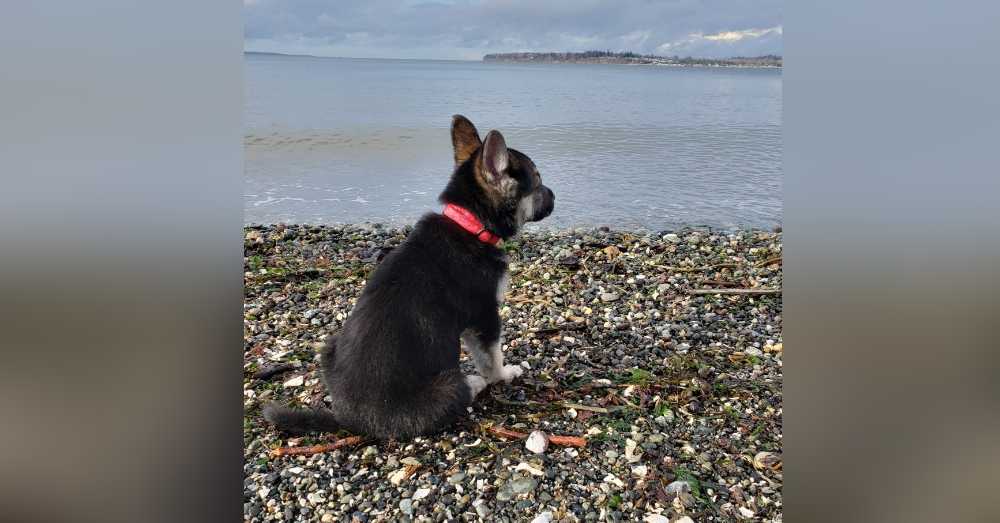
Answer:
[(650, 64), (534, 229), (677, 394), (629, 58)]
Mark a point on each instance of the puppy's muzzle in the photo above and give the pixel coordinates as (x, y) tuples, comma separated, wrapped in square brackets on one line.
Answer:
[(544, 207)]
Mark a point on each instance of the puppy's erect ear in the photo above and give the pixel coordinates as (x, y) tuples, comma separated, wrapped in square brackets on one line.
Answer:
[(464, 138), (495, 157)]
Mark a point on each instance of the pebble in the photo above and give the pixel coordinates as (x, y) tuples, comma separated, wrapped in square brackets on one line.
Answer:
[(297, 381), (537, 442), (524, 485), (632, 452), (544, 517), (397, 477), (406, 506), (534, 471), (610, 296), (481, 508), (610, 478), (677, 488)]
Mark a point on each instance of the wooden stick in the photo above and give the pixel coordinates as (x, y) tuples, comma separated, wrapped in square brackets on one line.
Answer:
[(721, 283), (575, 326), (506, 433), (566, 441), (696, 269), (735, 291), (577, 406), (769, 261), (273, 370), (316, 449), (526, 299)]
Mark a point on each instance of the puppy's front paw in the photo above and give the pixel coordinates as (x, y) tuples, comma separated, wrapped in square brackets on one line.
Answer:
[(476, 384), (510, 372)]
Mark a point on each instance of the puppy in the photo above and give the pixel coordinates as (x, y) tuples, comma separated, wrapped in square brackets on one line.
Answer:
[(393, 371)]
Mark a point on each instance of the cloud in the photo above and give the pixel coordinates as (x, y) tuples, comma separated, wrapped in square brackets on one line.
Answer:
[(735, 36), (742, 42), (467, 29)]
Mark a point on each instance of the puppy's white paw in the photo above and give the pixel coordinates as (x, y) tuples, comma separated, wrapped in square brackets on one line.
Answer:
[(476, 384), (509, 372)]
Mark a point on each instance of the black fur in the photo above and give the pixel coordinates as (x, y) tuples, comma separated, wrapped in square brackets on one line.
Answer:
[(393, 371)]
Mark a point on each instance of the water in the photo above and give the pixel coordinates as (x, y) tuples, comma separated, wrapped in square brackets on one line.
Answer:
[(352, 140)]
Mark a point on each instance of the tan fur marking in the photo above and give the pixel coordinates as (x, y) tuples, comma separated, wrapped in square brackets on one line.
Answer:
[(464, 138)]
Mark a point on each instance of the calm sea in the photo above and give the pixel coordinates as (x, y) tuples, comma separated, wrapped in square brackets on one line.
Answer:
[(332, 140)]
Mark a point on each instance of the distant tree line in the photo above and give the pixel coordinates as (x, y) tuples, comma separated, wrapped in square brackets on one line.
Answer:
[(627, 57)]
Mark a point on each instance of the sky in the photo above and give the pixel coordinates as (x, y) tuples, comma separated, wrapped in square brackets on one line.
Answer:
[(468, 29)]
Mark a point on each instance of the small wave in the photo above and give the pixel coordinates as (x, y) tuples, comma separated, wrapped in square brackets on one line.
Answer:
[(321, 140), (272, 200)]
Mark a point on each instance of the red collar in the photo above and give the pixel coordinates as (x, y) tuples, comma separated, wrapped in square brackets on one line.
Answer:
[(469, 222)]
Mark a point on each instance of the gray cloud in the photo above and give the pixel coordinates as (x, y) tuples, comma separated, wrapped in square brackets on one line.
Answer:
[(467, 29)]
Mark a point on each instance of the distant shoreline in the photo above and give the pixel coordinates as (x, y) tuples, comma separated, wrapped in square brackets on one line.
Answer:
[(567, 58), (295, 55), (607, 57)]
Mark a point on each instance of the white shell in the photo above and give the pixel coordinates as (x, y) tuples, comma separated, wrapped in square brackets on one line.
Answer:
[(537, 442)]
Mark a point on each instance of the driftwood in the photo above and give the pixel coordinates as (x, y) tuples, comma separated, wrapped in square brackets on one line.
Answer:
[(735, 291), (721, 283), (575, 326), (566, 441), (577, 406), (769, 261), (273, 370), (697, 269), (316, 449)]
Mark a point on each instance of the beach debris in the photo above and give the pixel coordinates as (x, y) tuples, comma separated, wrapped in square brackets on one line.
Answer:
[(297, 381), (270, 371), (316, 449), (574, 441), (537, 442), (524, 467), (767, 461)]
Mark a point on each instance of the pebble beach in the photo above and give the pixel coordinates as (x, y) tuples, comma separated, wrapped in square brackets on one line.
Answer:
[(657, 355)]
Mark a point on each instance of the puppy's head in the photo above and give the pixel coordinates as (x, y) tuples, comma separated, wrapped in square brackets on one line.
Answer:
[(500, 185)]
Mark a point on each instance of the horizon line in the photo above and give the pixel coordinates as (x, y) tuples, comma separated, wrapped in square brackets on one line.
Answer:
[(360, 57), (245, 51)]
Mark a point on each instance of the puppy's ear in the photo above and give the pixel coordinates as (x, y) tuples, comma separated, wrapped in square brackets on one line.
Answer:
[(495, 157), (464, 138)]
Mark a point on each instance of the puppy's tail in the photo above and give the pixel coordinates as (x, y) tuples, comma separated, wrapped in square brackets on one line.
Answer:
[(300, 421)]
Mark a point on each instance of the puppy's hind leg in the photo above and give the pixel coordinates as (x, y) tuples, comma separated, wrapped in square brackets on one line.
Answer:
[(439, 405)]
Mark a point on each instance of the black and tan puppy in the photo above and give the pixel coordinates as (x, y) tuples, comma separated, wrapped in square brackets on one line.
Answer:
[(393, 371)]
